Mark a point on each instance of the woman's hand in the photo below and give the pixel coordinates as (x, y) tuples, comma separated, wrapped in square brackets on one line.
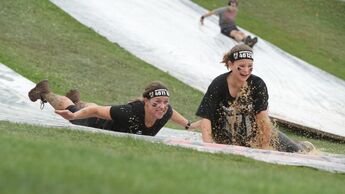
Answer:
[(195, 125)]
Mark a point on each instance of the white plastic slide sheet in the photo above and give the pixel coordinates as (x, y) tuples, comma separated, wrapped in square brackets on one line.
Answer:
[(167, 34), (16, 107)]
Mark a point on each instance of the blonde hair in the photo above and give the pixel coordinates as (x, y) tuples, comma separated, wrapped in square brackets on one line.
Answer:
[(236, 48)]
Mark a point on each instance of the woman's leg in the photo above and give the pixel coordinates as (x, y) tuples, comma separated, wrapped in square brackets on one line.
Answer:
[(283, 143), (238, 35), (74, 96), (58, 102), (41, 91)]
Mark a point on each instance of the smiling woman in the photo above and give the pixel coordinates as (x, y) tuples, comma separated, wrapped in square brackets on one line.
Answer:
[(144, 116), (234, 109)]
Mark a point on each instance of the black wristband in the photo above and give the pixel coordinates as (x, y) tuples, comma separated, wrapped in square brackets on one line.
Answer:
[(188, 125)]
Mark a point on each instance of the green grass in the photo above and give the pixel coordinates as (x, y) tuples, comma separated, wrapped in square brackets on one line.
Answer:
[(312, 30), (39, 41), (48, 160)]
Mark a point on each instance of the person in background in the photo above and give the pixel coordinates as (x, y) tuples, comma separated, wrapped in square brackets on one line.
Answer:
[(227, 17)]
